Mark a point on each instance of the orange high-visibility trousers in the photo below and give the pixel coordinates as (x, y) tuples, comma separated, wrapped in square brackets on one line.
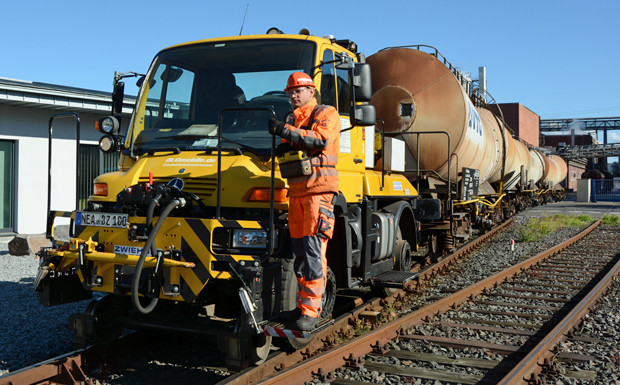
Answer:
[(311, 224)]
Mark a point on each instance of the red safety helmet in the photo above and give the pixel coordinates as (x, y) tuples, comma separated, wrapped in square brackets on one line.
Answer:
[(299, 79)]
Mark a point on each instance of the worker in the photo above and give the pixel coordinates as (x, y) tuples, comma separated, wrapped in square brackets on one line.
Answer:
[(315, 129)]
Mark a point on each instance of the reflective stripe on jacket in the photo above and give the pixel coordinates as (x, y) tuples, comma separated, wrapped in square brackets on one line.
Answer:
[(322, 140)]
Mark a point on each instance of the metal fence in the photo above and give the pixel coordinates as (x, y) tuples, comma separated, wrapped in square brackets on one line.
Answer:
[(607, 190)]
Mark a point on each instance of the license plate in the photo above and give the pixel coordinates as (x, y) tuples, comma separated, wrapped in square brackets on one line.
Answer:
[(102, 219)]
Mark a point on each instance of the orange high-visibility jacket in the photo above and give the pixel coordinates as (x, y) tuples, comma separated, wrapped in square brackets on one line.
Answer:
[(322, 140)]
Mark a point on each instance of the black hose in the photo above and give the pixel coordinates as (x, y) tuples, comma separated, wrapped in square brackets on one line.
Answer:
[(149, 220), (135, 283)]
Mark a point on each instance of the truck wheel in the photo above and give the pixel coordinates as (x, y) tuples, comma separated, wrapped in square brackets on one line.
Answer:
[(327, 304), (289, 285), (329, 295)]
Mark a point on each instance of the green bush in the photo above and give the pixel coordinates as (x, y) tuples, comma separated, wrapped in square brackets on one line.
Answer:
[(534, 228), (610, 219)]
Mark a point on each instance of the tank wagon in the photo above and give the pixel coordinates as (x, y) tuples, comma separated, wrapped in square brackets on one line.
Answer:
[(190, 234), (447, 127)]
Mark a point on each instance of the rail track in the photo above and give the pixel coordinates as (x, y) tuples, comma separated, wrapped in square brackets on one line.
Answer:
[(533, 305), (435, 324), (67, 367)]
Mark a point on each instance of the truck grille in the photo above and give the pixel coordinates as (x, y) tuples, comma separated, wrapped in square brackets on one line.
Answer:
[(202, 187)]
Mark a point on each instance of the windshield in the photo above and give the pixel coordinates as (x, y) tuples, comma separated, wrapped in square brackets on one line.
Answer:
[(189, 87)]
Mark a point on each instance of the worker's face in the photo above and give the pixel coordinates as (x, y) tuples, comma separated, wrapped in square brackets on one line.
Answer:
[(300, 96)]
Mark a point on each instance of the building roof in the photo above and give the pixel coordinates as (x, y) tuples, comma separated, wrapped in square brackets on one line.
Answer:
[(51, 96)]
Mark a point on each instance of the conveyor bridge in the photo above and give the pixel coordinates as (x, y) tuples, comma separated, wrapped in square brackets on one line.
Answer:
[(591, 151)]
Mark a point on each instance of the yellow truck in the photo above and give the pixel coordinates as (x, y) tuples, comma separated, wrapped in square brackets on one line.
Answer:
[(190, 233)]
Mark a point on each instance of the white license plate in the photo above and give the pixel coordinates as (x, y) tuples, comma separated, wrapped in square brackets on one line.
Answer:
[(102, 219)]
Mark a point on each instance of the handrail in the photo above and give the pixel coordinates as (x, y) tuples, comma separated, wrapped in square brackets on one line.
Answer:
[(218, 206), (435, 52), (49, 162)]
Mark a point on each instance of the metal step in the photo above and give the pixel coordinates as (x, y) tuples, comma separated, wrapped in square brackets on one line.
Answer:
[(394, 278)]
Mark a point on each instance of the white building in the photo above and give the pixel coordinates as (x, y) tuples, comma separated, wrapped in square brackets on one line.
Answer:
[(25, 112)]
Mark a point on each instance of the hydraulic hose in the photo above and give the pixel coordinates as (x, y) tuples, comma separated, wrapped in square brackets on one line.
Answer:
[(135, 283), (149, 220)]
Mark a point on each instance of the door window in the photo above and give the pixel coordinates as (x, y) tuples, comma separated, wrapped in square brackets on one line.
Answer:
[(7, 184)]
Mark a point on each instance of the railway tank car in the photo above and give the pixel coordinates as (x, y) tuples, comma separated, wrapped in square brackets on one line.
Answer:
[(424, 100)]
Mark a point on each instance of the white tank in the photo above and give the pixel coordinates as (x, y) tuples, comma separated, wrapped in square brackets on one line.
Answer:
[(536, 167)]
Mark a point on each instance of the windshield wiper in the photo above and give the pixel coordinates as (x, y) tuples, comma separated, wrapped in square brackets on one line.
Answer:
[(174, 149)]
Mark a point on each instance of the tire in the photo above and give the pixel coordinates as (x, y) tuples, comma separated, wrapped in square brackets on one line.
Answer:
[(403, 255), (289, 285), (328, 300)]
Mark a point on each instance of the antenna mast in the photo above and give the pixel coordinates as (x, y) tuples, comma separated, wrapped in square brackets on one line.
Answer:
[(244, 15)]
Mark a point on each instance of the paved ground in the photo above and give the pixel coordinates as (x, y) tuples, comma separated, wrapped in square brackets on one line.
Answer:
[(570, 207)]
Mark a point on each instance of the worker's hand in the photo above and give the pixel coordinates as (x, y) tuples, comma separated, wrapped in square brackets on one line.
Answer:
[(276, 126)]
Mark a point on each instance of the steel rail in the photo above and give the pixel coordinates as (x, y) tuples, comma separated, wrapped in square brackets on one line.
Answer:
[(64, 369), (279, 362), (534, 362), (337, 357)]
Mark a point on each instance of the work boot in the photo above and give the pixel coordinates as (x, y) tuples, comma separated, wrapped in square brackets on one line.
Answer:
[(290, 315), (306, 323)]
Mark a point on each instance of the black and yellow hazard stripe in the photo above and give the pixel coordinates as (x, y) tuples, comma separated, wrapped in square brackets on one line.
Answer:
[(192, 236)]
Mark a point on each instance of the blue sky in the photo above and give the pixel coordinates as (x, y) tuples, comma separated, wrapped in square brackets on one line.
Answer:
[(558, 58)]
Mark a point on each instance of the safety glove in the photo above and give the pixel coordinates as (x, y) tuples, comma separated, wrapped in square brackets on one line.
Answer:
[(276, 126), (283, 148)]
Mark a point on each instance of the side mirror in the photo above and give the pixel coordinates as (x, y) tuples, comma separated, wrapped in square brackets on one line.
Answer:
[(117, 97), (361, 82), (364, 115)]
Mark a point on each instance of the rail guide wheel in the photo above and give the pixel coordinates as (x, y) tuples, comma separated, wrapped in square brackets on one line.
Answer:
[(241, 351), (260, 347), (99, 323)]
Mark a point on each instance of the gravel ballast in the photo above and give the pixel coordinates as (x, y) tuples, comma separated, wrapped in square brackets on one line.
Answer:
[(30, 332), (492, 258)]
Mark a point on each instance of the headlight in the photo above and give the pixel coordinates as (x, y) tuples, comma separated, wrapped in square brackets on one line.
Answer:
[(249, 238), (109, 124), (108, 143)]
